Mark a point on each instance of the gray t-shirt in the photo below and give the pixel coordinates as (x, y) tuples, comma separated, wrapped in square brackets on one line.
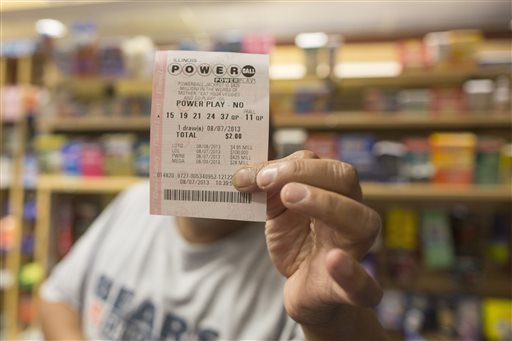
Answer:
[(133, 277)]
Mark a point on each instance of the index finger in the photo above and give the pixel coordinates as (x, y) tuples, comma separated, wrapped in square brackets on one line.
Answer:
[(331, 175)]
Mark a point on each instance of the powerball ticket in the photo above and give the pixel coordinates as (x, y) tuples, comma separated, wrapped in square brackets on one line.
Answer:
[(209, 116)]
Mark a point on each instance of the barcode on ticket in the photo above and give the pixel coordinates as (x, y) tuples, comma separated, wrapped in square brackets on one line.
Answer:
[(207, 196)]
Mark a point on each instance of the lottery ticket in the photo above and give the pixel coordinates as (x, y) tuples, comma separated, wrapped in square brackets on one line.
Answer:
[(209, 116)]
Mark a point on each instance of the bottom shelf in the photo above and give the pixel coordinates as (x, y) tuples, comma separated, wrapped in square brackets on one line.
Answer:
[(496, 284)]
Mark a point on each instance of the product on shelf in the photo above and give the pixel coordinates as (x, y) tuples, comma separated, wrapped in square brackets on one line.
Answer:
[(91, 159), (110, 60), (436, 237), (312, 98), (25, 309), (391, 309), (506, 164), (467, 237), (5, 170), (141, 158), (468, 319), (479, 94), (8, 233), (257, 43), (456, 48), (497, 318), (138, 54), (446, 317), (357, 149), (6, 279), (12, 103), (289, 141), (417, 166), (417, 317), (487, 160), (322, 144), (400, 240), (498, 251), (401, 229), (453, 157), (381, 100), (30, 275), (48, 148), (118, 156), (412, 54), (30, 170), (447, 101), (414, 100), (389, 157), (71, 153), (501, 96)]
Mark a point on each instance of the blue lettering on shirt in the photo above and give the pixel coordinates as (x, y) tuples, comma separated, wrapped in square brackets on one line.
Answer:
[(121, 323)]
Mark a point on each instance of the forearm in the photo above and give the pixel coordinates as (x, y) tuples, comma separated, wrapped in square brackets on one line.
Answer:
[(349, 323), (60, 321)]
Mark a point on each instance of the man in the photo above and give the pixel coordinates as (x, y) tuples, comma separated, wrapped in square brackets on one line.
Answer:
[(134, 277)]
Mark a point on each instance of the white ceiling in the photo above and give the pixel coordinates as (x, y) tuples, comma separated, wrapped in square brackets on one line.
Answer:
[(169, 21)]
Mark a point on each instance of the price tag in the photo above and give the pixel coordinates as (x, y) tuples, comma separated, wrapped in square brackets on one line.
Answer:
[(209, 116)]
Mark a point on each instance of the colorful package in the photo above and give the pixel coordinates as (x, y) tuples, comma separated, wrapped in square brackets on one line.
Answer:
[(453, 157)]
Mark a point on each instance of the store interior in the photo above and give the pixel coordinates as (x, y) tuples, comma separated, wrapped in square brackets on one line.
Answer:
[(415, 95)]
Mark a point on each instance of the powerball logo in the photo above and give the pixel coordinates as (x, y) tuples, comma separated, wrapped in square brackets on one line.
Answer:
[(223, 74)]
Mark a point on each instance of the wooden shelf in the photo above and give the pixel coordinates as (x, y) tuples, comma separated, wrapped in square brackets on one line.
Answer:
[(443, 283), (371, 190), (409, 78), (430, 192), (96, 86), (82, 184), (363, 120), (95, 123)]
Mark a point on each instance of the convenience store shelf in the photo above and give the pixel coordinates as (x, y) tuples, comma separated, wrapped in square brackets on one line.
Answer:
[(371, 190), (82, 184), (410, 78), (445, 283), (96, 86), (436, 192), (94, 123), (371, 121)]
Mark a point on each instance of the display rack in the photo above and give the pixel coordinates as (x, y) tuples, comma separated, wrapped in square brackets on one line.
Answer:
[(97, 124), (437, 192), (16, 199), (396, 121)]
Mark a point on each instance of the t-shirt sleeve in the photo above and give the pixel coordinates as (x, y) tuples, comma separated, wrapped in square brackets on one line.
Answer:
[(67, 279)]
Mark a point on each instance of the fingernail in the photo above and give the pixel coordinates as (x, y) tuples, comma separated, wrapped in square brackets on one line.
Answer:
[(267, 175), (244, 177), (294, 193)]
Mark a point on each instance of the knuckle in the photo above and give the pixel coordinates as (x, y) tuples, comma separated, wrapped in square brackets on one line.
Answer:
[(336, 168), (305, 154), (349, 172), (297, 166)]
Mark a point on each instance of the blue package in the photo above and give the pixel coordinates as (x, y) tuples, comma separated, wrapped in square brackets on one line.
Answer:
[(71, 152), (357, 150)]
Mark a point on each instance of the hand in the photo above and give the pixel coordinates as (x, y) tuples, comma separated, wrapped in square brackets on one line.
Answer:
[(317, 231)]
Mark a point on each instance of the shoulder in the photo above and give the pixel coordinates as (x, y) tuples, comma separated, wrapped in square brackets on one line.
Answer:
[(138, 192)]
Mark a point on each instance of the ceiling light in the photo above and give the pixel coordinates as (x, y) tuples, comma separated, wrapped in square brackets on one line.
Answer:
[(311, 40), (368, 69), (51, 28)]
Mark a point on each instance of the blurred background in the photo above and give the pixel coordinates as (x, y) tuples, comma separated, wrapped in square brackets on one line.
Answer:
[(416, 95)]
